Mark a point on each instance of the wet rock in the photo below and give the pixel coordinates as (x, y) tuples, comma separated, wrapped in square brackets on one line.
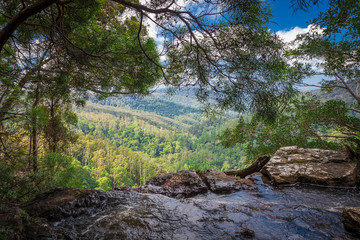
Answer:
[(185, 184), (16, 223), (189, 183), (181, 184), (293, 164), (219, 182), (300, 212), (351, 219), (247, 233), (160, 180), (63, 202)]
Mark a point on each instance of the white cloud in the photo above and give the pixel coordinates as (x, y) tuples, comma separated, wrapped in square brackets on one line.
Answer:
[(290, 35)]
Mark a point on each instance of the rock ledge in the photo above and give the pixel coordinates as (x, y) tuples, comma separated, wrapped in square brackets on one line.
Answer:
[(293, 164)]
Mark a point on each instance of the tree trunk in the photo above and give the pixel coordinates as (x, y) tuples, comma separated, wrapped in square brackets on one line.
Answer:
[(21, 17), (34, 153), (53, 134), (34, 132), (255, 167)]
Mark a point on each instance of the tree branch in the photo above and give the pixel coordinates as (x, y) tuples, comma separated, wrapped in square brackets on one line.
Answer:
[(21, 17)]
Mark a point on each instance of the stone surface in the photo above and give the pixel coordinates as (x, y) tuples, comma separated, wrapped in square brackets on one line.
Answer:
[(301, 212), (16, 223), (247, 233), (160, 180), (219, 182), (189, 183), (293, 164), (63, 202), (181, 184), (351, 219), (185, 183)]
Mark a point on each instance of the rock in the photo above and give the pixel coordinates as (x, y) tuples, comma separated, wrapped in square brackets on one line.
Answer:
[(160, 180), (181, 184), (189, 183), (293, 164), (59, 203), (219, 182), (351, 219), (185, 184), (247, 233), (16, 223)]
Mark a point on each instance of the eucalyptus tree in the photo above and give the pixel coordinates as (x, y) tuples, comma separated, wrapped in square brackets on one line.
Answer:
[(55, 59), (334, 40), (222, 47), (331, 50)]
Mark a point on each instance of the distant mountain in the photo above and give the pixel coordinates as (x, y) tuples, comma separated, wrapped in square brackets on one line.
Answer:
[(337, 94), (156, 103)]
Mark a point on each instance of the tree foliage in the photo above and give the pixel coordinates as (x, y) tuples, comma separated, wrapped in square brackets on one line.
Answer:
[(333, 44)]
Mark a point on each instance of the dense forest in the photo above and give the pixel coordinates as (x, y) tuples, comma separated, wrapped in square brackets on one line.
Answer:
[(145, 143), (83, 88)]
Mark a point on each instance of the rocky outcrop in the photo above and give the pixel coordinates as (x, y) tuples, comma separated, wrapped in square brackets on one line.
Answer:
[(59, 203), (15, 223), (181, 184), (160, 180), (189, 183), (219, 182), (293, 164), (351, 219)]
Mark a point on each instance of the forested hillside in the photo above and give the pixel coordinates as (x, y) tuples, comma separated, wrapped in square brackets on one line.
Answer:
[(147, 136), (69, 71)]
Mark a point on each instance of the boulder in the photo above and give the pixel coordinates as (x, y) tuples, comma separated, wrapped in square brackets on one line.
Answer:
[(185, 183), (219, 182), (293, 164), (16, 223), (351, 219), (189, 183), (59, 203), (181, 184), (160, 180)]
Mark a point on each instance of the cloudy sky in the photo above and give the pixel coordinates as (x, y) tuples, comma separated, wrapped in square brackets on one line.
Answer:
[(287, 23)]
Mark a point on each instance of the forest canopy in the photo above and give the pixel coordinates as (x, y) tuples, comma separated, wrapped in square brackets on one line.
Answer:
[(57, 53)]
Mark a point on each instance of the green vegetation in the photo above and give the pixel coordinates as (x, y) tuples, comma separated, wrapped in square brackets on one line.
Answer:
[(148, 143), (56, 55), (332, 121)]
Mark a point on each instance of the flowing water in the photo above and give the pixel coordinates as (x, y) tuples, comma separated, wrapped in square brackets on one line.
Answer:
[(293, 212)]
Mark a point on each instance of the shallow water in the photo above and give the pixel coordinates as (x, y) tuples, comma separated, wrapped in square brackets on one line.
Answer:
[(293, 212)]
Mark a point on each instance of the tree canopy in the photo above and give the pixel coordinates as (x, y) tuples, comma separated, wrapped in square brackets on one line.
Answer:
[(54, 53), (331, 50)]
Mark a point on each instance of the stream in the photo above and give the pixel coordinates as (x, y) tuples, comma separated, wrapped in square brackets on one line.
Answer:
[(291, 212)]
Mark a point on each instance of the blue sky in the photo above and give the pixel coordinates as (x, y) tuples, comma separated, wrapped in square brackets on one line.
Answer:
[(284, 17), (287, 23)]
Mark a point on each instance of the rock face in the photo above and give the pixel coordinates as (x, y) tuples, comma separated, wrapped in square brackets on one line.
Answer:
[(16, 224), (293, 164), (219, 182), (181, 184), (351, 219), (160, 179), (189, 183), (63, 202)]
